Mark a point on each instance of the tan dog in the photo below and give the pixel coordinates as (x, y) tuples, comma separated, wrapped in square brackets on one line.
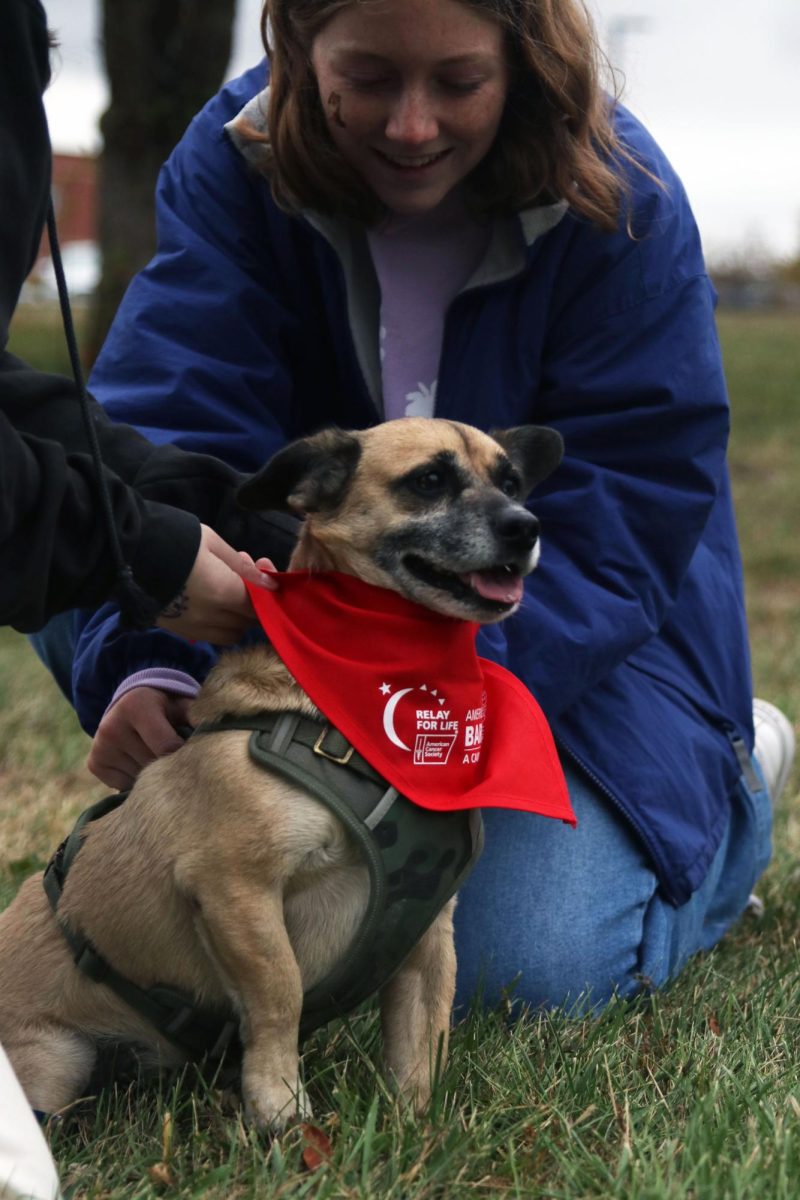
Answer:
[(235, 885)]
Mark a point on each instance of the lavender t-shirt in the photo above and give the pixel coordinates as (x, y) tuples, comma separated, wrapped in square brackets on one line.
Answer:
[(421, 261)]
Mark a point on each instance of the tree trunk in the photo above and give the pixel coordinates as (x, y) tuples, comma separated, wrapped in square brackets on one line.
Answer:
[(165, 59)]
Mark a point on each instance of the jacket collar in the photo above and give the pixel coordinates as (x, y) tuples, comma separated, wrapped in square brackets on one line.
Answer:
[(506, 254)]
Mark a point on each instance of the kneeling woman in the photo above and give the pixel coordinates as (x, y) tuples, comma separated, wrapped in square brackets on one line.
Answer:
[(435, 208)]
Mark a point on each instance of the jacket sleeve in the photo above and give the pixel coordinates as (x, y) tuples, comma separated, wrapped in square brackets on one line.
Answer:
[(54, 550), (106, 655), (631, 375), (44, 406)]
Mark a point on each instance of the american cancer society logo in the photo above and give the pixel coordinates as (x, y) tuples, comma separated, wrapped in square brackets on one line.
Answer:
[(420, 721)]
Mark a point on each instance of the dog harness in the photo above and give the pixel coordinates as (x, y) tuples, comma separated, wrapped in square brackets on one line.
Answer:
[(416, 860)]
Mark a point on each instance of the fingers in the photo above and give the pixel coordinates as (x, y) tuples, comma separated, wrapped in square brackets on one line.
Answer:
[(261, 573), (119, 778), (239, 561), (137, 730), (116, 759), (217, 546), (267, 569)]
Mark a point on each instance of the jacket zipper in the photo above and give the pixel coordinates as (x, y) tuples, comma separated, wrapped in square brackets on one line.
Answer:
[(745, 762)]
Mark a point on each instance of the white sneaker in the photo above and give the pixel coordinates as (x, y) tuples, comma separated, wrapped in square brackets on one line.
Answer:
[(775, 745)]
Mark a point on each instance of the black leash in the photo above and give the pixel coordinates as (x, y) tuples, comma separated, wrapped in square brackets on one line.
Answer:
[(138, 609)]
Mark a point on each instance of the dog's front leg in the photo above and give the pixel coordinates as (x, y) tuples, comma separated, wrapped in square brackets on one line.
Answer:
[(246, 936), (415, 1011)]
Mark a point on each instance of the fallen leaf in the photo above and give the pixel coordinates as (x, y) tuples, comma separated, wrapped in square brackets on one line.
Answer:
[(317, 1149), (714, 1026)]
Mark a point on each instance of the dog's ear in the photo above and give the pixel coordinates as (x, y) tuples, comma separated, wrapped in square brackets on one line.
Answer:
[(310, 475), (535, 450)]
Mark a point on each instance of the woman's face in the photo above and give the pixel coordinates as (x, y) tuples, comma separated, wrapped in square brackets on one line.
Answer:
[(413, 92)]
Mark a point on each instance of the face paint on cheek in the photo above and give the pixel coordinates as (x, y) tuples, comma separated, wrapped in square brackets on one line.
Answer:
[(335, 105)]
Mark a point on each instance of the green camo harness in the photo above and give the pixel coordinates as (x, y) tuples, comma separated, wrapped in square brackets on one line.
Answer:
[(416, 860)]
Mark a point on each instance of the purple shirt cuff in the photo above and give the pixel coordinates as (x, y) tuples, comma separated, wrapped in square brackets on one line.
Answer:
[(178, 683)]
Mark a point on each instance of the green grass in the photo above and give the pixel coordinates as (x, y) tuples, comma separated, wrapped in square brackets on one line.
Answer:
[(762, 356), (695, 1093), (37, 335)]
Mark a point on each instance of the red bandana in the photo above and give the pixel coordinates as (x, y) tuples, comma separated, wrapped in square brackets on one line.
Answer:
[(405, 686)]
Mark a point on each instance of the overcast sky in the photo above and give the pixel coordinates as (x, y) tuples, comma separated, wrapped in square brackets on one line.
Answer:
[(716, 81)]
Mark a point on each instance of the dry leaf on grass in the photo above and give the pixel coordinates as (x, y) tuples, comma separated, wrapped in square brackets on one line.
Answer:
[(317, 1148)]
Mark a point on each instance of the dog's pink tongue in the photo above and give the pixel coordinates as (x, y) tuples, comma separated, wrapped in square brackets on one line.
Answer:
[(505, 590)]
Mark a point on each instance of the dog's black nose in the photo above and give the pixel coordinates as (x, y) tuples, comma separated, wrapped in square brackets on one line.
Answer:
[(518, 528)]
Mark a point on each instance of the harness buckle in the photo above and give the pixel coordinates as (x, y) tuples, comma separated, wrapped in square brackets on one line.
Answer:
[(341, 759)]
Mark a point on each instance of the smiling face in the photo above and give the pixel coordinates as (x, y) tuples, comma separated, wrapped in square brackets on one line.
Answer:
[(413, 92)]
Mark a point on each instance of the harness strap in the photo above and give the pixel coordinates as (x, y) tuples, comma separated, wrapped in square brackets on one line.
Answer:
[(170, 1010), (316, 756), (325, 777), (416, 859), (318, 735), (173, 1012)]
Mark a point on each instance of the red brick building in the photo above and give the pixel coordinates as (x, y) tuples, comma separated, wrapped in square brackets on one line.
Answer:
[(74, 190), (75, 199), (74, 195)]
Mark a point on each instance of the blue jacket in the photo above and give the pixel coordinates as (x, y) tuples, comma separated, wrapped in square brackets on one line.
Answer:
[(251, 327)]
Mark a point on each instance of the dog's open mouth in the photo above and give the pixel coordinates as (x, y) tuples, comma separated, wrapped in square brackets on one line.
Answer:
[(496, 589)]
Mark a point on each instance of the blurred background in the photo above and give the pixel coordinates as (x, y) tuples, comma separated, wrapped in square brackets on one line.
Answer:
[(716, 82)]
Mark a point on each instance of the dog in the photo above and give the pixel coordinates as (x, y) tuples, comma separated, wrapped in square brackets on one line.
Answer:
[(234, 884)]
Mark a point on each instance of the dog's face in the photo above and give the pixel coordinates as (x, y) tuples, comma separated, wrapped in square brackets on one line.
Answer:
[(430, 508)]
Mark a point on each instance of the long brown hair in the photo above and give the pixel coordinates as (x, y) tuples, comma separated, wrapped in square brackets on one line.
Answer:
[(555, 140)]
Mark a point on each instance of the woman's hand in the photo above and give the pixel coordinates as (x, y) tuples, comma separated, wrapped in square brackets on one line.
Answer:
[(140, 728), (213, 605)]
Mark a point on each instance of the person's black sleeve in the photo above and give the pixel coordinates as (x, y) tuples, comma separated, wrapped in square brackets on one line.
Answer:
[(39, 404), (54, 551), (54, 547)]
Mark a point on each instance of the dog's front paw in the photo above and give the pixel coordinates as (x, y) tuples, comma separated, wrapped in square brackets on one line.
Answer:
[(415, 1088), (273, 1106)]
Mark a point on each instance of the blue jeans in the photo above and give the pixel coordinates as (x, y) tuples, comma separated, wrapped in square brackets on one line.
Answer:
[(570, 917)]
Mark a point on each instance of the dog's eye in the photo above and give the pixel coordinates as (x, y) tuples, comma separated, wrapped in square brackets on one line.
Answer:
[(433, 480), (429, 482), (510, 487)]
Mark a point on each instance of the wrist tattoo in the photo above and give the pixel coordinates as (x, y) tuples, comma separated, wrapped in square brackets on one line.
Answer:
[(176, 607)]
